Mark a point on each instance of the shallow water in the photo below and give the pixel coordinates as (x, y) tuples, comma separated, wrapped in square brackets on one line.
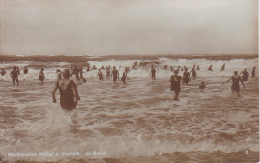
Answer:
[(136, 122)]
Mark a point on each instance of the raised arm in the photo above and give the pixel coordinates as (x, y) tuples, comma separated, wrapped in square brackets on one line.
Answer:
[(54, 90), (226, 81)]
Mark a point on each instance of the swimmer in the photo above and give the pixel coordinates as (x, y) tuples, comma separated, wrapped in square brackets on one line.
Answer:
[(3, 72), (193, 72), (69, 96), (245, 75), (115, 74), (198, 67), (123, 78), (175, 86), (186, 77), (235, 83), (210, 68), (14, 75), (153, 71), (100, 75), (222, 67), (253, 72), (25, 70), (202, 85), (41, 75)]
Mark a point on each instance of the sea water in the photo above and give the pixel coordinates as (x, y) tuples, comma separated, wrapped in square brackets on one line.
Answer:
[(133, 122)]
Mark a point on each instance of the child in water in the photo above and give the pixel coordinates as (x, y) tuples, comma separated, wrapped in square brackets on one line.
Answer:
[(202, 85)]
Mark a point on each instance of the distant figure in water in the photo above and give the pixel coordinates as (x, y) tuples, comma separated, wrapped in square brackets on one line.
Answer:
[(198, 67), (115, 74), (3, 72), (100, 74), (153, 71), (222, 67), (74, 76), (175, 86), (69, 96), (210, 68), (245, 75), (193, 72), (202, 85), (25, 70), (41, 75), (107, 73), (235, 83), (14, 75), (186, 77), (253, 72), (123, 78)]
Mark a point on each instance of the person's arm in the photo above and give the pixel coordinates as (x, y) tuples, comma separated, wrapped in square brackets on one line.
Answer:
[(75, 93), (53, 92), (226, 81), (241, 73), (242, 82), (11, 74)]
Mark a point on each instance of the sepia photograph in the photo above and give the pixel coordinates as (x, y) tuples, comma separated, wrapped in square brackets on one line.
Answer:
[(129, 81)]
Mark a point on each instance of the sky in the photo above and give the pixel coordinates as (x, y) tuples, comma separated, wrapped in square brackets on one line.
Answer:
[(106, 27)]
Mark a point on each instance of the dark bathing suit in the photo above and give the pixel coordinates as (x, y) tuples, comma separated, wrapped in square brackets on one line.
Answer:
[(175, 85), (186, 77), (114, 72), (66, 98), (235, 85)]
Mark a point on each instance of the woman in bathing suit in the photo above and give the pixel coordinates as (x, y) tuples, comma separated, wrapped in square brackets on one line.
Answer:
[(69, 96)]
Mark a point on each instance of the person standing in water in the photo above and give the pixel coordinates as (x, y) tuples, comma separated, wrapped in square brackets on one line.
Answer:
[(115, 74), (175, 86), (100, 75), (153, 72), (14, 75), (69, 96), (41, 75), (235, 83), (193, 72), (186, 77), (123, 78), (253, 72), (222, 67), (198, 67), (245, 75), (3, 72), (25, 70)]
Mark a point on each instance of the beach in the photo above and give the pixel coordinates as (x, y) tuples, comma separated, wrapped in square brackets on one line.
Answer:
[(133, 122)]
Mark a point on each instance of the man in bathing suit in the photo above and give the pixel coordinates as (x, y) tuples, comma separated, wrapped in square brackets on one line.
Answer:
[(115, 74)]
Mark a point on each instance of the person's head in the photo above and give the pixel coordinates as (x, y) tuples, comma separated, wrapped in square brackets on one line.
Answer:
[(17, 68), (198, 66), (235, 72), (186, 69), (114, 67), (175, 72), (202, 83), (245, 69), (66, 73), (152, 66), (14, 67), (42, 69)]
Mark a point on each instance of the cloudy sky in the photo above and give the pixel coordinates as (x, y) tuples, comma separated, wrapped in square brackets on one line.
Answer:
[(102, 27)]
